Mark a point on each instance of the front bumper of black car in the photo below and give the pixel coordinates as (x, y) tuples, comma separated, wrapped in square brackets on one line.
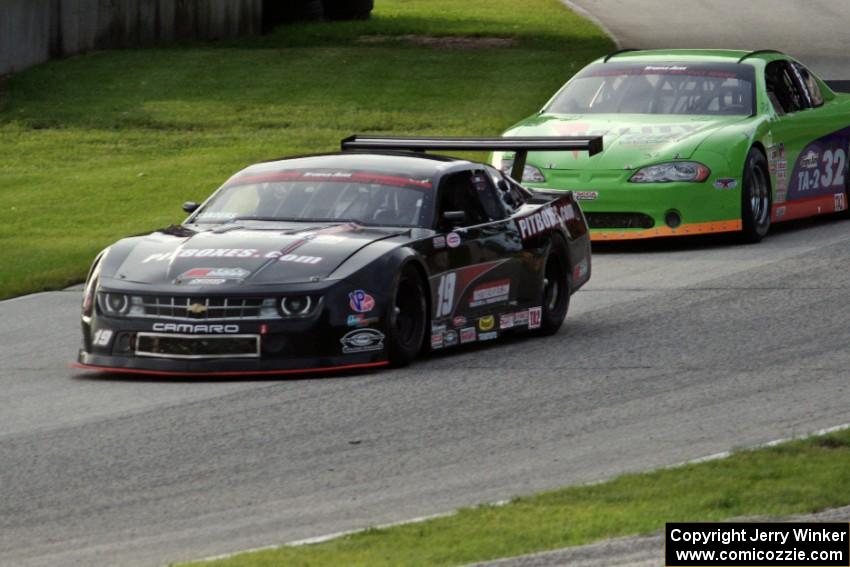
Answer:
[(224, 368), (330, 338)]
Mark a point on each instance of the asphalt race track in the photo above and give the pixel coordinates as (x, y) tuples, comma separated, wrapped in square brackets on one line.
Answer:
[(675, 351), (814, 31)]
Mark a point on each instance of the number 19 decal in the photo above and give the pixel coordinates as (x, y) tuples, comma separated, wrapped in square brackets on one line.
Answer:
[(446, 294)]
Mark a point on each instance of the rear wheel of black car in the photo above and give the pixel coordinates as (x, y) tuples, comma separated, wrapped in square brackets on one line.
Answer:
[(408, 318), (555, 300), (756, 198)]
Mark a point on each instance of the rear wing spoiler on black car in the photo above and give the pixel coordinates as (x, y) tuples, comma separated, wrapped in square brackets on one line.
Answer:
[(520, 145)]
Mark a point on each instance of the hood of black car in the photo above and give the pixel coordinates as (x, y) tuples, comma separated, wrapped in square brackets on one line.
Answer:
[(263, 253)]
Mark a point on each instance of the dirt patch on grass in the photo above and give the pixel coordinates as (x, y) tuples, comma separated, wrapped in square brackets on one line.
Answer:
[(442, 42)]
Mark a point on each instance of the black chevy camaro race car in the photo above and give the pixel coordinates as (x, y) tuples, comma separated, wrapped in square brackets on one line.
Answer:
[(351, 260)]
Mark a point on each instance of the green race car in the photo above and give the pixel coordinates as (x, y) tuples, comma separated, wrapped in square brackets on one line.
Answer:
[(695, 142)]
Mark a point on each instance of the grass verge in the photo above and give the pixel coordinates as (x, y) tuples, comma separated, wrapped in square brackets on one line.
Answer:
[(796, 477), (108, 144)]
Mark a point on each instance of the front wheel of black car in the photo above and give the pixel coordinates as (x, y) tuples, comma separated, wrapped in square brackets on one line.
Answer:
[(756, 199), (556, 289), (408, 316)]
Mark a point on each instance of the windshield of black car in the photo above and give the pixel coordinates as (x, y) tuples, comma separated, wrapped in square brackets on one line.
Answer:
[(335, 196), (701, 89)]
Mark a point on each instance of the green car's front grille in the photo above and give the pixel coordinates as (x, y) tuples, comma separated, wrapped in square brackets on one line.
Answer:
[(619, 220)]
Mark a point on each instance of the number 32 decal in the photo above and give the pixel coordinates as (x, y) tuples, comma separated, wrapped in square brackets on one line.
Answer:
[(834, 163), (829, 175)]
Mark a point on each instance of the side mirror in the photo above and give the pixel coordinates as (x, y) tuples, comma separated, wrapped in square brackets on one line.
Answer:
[(191, 206), (454, 218)]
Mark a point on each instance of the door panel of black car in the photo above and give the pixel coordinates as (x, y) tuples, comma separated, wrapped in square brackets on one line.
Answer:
[(475, 265)]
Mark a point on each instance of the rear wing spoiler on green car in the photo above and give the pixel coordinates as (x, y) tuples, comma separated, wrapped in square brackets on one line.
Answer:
[(520, 145)]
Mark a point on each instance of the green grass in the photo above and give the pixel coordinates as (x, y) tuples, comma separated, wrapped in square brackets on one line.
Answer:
[(111, 143), (797, 477)]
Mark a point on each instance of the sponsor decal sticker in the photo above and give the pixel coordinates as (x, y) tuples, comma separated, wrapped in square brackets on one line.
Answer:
[(453, 240), (459, 321), (506, 320), (327, 174), (450, 338), (360, 301), (297, 259), (102, 337), (203, 253), (438, 327), (193, 329), (809, 160), (725, 183), (437, 340), (487, 323), (535, 317), (490, 292), (586, 195), (206, 281), (439, 242), (545, 219), (840, 202), (452, 286), (467, 335), (580, 270), (225, 273), (360, 320), (233, 253), (821, 168), (362, 340), (487, 336), (320, 237), (521, 318), (780, 212)]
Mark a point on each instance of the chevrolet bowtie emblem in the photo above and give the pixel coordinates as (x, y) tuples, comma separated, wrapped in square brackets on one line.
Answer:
[(197, 308)]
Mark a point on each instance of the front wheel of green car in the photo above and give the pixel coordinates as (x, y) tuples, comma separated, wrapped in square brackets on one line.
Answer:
[(756, 198)]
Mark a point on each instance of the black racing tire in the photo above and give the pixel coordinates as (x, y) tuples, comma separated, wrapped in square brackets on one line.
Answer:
[(555, 296), (408, 317), (756, 198)]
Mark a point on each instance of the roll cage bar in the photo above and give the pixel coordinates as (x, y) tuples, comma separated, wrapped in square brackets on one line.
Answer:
[(619, 51), (758, 52)]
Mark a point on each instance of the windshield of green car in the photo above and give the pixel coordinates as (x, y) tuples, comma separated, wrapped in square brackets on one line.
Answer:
[(658, 88), (362, 197)]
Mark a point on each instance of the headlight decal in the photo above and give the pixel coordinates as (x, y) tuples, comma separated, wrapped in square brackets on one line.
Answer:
[(690, 171), (114, 304)]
